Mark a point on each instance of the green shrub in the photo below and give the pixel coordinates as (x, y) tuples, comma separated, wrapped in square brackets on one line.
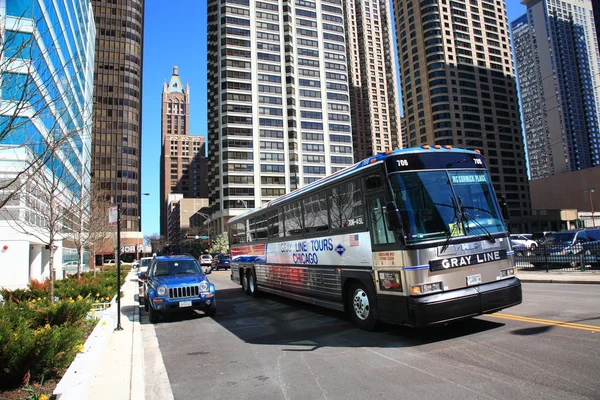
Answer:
[(39, 338)]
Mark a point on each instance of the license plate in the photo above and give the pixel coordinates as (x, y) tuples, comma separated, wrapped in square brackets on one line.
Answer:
[(185, 303), (473, 280)]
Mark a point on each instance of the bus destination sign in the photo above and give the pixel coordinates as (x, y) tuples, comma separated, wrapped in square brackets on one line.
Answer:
[(434, 160), (463, 261)]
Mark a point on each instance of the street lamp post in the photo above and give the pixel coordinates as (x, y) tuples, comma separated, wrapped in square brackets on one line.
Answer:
[(118, 254), (590, 191)]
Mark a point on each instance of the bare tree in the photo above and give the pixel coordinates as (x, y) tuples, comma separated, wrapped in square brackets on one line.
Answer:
[(158, 242), (46, 206), (89, 225)]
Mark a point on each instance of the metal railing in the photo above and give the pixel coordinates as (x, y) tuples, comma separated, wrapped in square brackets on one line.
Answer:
[(578, 257)]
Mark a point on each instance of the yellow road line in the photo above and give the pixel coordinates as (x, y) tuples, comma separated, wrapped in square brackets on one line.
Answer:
[(549, 322), (221, 273)]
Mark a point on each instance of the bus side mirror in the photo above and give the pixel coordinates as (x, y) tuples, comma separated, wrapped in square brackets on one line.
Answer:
[(394, 220)]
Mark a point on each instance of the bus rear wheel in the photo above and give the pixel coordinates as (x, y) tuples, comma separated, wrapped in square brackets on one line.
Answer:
[(361, 305), (244, 279), (252, 289)]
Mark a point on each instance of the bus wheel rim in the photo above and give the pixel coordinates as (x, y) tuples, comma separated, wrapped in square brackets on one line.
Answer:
[(361, 305), (251, 283)]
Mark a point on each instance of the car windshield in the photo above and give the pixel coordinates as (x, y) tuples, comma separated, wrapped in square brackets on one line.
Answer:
[(430, 202), (224, 258), (205, 257), (145, 262), (176, 267), (563, 237)]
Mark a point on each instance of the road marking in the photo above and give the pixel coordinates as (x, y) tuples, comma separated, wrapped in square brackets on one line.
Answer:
[(221, 273), (550, 322)]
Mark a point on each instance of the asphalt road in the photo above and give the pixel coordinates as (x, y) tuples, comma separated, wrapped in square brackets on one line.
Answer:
[(274, 348)]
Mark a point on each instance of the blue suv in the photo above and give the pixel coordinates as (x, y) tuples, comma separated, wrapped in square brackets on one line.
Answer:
[(177, 283)]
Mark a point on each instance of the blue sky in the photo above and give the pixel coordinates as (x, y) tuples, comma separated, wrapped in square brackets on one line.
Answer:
[(179, 38)]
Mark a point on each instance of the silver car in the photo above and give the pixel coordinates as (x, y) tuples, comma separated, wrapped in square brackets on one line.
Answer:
[(205, 261)]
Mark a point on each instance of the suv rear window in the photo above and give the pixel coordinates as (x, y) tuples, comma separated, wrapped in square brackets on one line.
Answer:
[(593, 234)]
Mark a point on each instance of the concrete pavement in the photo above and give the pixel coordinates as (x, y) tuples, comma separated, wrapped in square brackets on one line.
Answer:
[(120, 373), (116, 365)]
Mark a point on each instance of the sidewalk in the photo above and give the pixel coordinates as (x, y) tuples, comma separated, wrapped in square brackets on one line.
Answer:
[(559, 277), (120, 373)]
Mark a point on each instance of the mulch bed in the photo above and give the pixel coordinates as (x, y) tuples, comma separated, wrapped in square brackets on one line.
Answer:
[(20, 394)]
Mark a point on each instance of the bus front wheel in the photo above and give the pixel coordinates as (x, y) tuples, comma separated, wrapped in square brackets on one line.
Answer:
[(361, 304)]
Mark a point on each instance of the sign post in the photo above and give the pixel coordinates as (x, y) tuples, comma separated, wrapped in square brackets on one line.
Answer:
[(114, 218)]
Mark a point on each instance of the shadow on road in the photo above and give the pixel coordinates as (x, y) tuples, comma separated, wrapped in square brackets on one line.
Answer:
[(273, 320)]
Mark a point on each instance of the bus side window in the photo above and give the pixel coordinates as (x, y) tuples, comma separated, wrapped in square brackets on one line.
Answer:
[(315, 213), (346, 205), (293, 219)]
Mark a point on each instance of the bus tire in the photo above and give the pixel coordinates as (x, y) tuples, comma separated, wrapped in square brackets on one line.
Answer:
[(244, 279), (252, 288), (361, 305)]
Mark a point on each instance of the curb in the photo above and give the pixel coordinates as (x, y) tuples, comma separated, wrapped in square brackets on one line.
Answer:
[(77, 380), (550, 280)]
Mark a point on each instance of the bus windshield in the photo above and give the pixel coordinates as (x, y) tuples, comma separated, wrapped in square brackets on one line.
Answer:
[(442, 204)]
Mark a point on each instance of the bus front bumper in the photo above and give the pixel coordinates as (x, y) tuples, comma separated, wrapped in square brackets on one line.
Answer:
[(464, 303)]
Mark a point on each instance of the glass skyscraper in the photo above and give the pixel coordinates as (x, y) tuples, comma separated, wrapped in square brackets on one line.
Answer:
[(46, 79), (558, 67), (278, 100)]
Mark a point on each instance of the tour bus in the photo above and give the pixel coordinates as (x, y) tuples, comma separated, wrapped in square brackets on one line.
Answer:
[(413, 237)]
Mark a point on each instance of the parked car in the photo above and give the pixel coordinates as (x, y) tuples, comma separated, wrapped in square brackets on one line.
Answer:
[(524, 239), (221, 261), (559, 248), (205, 261), (109, 262), (144, 264), (540, 236), (135, 264), (177, 284), (519, 248), (70, 267)]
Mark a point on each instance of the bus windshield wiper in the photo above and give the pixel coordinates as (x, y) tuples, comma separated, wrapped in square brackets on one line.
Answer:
[(467, 218), (457, 221)]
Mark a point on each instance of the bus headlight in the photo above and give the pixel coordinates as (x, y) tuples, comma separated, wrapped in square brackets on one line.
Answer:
[(507, 272), (424, 288)]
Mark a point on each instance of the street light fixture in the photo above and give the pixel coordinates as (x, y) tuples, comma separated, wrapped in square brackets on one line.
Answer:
[(243, 203), (590, 191)]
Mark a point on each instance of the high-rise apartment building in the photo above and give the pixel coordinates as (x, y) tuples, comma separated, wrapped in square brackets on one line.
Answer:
[(117, 126), (183, 160), (596, 11), (278, 100), (372, 77), (45, 128), (459, 88), (558, 66)]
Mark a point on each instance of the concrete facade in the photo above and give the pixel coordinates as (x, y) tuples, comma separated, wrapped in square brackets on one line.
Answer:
[(557, 58), (278, 100), (372, 74), (183, 157), (459, 87), (117, 124), (570, 190), (184, 216)]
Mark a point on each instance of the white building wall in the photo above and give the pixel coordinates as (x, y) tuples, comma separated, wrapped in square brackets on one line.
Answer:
[(25, 259)]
